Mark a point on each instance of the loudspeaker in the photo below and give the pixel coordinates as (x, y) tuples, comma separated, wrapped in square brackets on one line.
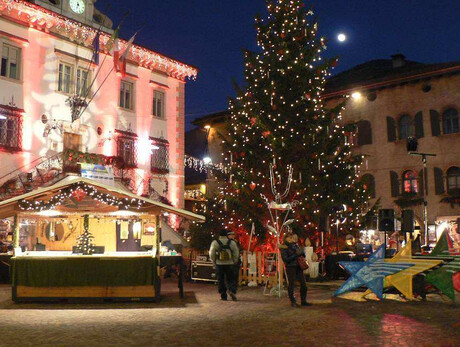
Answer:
[(323, 224), (371, 222), (407, 221), (203, 271), (387, 220), (412, 144)]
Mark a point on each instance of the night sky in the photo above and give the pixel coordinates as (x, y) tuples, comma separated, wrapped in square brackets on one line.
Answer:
[(211, 34)]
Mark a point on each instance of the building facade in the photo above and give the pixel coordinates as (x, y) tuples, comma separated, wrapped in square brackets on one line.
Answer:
[(59, 106), (391, 100)]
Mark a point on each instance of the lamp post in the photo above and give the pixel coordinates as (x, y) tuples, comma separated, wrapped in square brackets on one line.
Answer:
[(412, 146)]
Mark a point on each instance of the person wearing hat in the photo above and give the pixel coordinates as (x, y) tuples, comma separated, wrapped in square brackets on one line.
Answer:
[(224, 254)]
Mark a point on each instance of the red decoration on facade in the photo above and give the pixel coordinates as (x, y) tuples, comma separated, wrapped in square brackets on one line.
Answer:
[(79, 195)]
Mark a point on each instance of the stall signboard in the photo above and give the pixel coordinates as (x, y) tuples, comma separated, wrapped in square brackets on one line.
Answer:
[(99, 173)]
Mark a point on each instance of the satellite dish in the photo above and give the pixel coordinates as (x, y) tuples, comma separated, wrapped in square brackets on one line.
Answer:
[(44, 119)]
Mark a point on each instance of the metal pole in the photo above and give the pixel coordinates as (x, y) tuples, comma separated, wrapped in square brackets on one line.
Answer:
[(337, 238), (425, 202)]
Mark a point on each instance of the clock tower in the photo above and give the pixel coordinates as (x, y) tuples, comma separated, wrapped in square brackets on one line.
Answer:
[(82, 11)]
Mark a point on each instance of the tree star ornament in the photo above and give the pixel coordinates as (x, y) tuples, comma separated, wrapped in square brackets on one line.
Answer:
[(370, 273)]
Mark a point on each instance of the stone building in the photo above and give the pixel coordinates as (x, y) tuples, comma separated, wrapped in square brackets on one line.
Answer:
[(391, 100)]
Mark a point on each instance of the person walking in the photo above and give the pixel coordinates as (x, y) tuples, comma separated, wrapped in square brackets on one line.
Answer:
[(290, 251), (237, 266), (224, 254)]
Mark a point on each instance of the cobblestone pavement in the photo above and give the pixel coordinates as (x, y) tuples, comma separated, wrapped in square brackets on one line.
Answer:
[(254, 320)]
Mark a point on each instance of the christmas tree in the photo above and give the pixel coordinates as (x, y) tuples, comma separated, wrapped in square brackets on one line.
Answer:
[(84, 241), (279, 117)]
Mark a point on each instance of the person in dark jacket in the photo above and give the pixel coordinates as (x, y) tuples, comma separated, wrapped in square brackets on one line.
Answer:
[(290, 251)]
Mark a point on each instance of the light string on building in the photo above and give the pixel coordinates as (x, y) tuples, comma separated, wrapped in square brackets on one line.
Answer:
[(201, 166), (78, 192)]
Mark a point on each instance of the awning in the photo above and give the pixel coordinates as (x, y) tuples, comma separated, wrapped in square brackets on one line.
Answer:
[(10, 207)]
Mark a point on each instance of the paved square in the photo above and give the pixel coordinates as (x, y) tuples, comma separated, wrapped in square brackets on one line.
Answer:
[(255, 320)]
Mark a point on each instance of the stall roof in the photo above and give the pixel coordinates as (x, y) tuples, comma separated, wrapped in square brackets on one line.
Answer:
[(8, 207)]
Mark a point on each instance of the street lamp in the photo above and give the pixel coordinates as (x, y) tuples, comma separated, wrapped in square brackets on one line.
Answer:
[(412, 147)]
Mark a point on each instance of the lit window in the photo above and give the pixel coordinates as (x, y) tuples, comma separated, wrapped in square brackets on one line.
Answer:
[(406, 127), (126, 95), (82, 82), (410, 182), (158, 104), (10, 62), (126, 151), (65, 78), (450, 121), (453, 178)]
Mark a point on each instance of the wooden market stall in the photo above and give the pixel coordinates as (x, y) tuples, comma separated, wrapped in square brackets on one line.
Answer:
[(82, 239)]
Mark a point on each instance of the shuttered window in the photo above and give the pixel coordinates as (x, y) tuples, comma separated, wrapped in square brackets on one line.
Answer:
[(435, 123), (391, 129), (394, 177), (364, 133), (418, 120), (406, 127), (453, 178), (450, 121), (438, 181)]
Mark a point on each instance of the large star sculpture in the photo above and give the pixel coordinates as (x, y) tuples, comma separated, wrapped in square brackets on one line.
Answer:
[(370, 273), (402, 281), (442, 278)]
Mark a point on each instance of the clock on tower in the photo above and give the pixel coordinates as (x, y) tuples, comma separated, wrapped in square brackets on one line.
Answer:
[(77, 6)]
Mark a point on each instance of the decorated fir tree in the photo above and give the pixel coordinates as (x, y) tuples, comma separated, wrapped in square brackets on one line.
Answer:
[(279, 117), (84, 241)]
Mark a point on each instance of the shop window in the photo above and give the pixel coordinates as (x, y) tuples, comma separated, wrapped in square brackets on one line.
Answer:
[(453, 178), (160, 158), (369, 184), (65, 78), (126, 95), (126, 151), (406, 127), (10, 131), (158, 104), (10, 62), (450, 121), (410, 182)]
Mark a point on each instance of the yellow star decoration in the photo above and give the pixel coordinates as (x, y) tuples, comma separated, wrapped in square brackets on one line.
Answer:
[(402, 281)]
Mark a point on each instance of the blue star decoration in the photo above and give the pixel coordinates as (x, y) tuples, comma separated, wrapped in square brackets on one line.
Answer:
[(370, 273)]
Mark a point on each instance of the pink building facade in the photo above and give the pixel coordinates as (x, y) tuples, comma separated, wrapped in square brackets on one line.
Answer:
[(134, 118)]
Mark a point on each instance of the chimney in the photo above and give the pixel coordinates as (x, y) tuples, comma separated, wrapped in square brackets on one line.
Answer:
[(399, 60)]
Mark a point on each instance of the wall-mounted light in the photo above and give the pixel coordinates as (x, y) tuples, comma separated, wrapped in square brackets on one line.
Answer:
[(207, 127), (356, 95), (207, 160)]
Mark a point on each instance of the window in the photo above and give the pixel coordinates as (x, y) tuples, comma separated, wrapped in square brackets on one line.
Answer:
[(65, 78), (72, 141), (10, 130), (364, 133), (369, 184), (450, 121), (160, 157), (10, 62), (453, 178), (82, 82), (406, 127), (126, 151), (158, 104), (126, 95), (351, 138), (410, 182)]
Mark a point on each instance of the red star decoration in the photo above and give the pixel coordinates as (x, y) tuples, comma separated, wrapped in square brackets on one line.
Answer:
[(79, 195)]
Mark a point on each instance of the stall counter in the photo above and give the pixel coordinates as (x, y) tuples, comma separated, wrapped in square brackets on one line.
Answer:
[(85, 277)]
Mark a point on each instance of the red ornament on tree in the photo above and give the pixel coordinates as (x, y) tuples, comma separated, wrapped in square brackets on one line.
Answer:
[(253, 121), (252, 186), (79, 195), (283, 35), (266, 133)]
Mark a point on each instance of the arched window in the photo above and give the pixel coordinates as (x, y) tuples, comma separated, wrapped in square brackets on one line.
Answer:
[(410, 182), (450, 121), (406, 127), (369, 184), (453, 178)]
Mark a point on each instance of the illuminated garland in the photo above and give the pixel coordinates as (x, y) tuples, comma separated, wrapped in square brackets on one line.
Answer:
[(45, 20), (93, 193), (199, 165)]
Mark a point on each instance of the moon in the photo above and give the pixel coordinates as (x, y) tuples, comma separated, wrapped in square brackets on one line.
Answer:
[(342, 37)]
